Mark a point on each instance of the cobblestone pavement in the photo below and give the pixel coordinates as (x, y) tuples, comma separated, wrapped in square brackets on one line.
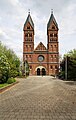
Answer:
[(39, 98)]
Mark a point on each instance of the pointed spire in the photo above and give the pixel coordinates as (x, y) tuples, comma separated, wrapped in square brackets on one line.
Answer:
[(52, 18), (29, 19)]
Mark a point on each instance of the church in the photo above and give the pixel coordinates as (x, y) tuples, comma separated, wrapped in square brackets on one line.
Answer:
[(42, 60)]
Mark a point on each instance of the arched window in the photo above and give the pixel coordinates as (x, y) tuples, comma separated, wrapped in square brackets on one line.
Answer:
[(55, 56), (55, 46), (30, 34), (28, 27), (29, 56), (56, 67), (53, 27), (26, 46), (51, 46), (51, 67), (55, 35), (26, 56), (51, 56), (30, 46), (51, 35), (26, 35), (30, 67), (51, 39)]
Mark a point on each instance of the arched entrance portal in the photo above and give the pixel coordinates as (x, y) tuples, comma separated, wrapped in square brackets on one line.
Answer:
[(38, 71), (43, 71)]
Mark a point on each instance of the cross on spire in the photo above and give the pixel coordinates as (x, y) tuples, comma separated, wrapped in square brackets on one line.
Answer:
[(51, 11), (28, 11)]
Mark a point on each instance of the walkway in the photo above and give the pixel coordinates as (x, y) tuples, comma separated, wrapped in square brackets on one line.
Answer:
[(39, 98)]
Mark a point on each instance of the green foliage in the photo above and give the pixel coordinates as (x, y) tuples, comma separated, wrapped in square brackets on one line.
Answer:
[(72, 54), (4, 69), (11, 80), (20, 74), (3, 85), (71, 66), (9, 64)]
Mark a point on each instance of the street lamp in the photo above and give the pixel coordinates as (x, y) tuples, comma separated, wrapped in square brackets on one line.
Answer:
[(66, 67), (25, 66)]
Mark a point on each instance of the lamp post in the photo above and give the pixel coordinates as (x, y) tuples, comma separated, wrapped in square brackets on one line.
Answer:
[(25, 67), (66, 67)]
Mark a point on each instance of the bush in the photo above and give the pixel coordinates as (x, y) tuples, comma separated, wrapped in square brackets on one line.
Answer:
[(11, 80), (20, 74), (13, 73), (61, 75), (9, 64), (27, 73), (4, 69)]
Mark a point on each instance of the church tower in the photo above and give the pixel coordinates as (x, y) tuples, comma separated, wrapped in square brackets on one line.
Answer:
[(52, 45), (41, 60), (28, 43)]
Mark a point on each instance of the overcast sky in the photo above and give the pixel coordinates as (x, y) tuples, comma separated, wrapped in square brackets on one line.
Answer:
[(13, 14)]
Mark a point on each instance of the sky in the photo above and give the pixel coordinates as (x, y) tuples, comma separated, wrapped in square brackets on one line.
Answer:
[(13, 14)]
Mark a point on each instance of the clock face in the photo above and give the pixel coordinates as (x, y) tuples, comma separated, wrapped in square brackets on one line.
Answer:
[(40, 58)]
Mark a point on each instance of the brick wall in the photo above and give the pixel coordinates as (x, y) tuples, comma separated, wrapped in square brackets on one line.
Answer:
[(51, 53)]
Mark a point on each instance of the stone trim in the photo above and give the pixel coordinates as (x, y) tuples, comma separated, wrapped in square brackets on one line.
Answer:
[(43, 62)]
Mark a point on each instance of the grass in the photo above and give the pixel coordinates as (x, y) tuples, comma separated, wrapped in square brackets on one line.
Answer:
[(9, 81), (3, 85)]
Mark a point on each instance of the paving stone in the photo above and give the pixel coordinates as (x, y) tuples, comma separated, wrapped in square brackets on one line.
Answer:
[(39, 98)]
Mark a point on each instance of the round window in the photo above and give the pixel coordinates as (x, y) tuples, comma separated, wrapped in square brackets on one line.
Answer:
[(40, 58)]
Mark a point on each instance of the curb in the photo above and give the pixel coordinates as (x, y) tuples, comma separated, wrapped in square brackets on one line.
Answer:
[(10, 85)]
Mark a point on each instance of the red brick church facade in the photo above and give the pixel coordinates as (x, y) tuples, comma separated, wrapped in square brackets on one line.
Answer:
[(42, 60)]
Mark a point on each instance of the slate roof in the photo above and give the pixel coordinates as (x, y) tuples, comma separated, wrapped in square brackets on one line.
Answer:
[(29, 19), (52, 18)]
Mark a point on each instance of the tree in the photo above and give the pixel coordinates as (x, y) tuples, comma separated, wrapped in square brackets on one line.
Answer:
[(14, 63), (4, 69), (72, 53), (71, 65), (9, 64), (71, 68)]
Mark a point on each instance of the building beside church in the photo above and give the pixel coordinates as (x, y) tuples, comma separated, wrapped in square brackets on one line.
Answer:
[(42, 60)]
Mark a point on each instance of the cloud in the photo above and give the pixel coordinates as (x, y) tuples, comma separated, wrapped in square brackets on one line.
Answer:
[(67, 32), (10, 7), (13, 14)]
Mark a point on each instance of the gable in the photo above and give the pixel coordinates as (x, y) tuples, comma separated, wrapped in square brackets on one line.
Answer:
[(40, 47)]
